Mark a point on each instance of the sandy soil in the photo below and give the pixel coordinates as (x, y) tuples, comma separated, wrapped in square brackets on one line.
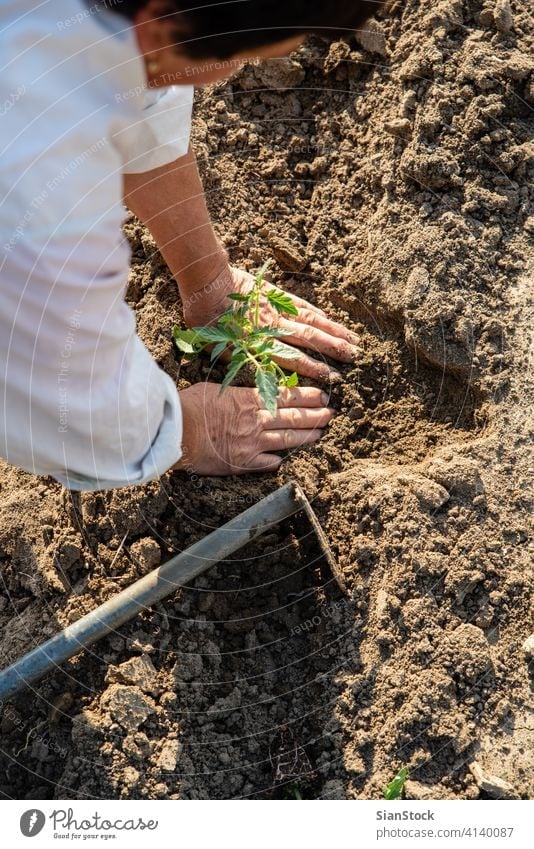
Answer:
[(390, 178)]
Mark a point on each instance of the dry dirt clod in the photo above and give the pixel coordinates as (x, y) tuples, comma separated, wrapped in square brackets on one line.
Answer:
[(430, 494), (288, 255), (168, 755), (339, 52), (528, 647), (138, 671), (495, 787), (130, 777), (401, 127), (128, 706), (275, 74), (146, 552), (372, 38), (502, 16), (381, 604)]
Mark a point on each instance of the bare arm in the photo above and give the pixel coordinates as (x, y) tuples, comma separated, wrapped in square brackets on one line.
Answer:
[(170, 200)]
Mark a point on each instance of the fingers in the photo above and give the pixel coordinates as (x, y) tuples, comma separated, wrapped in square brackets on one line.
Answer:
[(300, 396), (302, 418), (306, 366), (263, 463), (322, 322), (305, 305), (309, 336), (313, 316), (283, 440)]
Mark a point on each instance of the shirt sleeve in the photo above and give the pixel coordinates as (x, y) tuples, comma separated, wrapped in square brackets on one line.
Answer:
[(162, 131), (136, 408), (83, 399)]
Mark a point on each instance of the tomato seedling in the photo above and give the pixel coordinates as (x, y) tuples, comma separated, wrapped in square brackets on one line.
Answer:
[(238, 330)]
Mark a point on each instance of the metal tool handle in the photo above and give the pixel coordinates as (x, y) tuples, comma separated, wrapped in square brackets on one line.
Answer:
[(153, 587)]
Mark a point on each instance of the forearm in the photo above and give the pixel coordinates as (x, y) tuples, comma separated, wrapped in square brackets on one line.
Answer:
[(170, 201)]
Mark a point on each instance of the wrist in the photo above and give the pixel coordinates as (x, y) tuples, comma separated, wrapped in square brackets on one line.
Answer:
[(186, 461), (202, 272), (206, 303)]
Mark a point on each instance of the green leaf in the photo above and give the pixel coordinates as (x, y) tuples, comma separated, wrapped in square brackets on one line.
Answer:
[(187, 341), (272, 331), (267, 386), (213, 334), (231, 333), (217, 351), (234, 368), (281, 302), (280, 349), (394, 788), (226, 317), (237, 296), (292, 379), (259, 346)]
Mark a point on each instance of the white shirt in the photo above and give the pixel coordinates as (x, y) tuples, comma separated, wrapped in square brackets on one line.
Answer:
[(81, 398)]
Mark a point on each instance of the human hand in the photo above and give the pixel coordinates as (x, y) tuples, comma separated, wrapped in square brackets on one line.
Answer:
[(232, 433), (311, 328)]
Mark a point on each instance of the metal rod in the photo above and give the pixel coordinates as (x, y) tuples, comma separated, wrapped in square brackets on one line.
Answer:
[(152, 588), (305, 505)]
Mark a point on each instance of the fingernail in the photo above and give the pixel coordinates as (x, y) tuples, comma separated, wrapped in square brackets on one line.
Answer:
[(353, 337), (325, 398), (335, 377)]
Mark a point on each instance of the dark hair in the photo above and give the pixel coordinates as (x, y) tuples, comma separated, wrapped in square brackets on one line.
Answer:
[(222, 29)]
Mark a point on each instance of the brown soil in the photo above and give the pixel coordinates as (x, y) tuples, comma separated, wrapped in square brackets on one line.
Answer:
[(389, 178)]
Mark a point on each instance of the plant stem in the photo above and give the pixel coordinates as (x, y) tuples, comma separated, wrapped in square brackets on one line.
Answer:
[(254, 360), (257, 291), (279, 370)]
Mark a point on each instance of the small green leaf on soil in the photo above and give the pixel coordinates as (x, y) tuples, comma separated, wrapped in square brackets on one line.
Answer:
[(395, 787)]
